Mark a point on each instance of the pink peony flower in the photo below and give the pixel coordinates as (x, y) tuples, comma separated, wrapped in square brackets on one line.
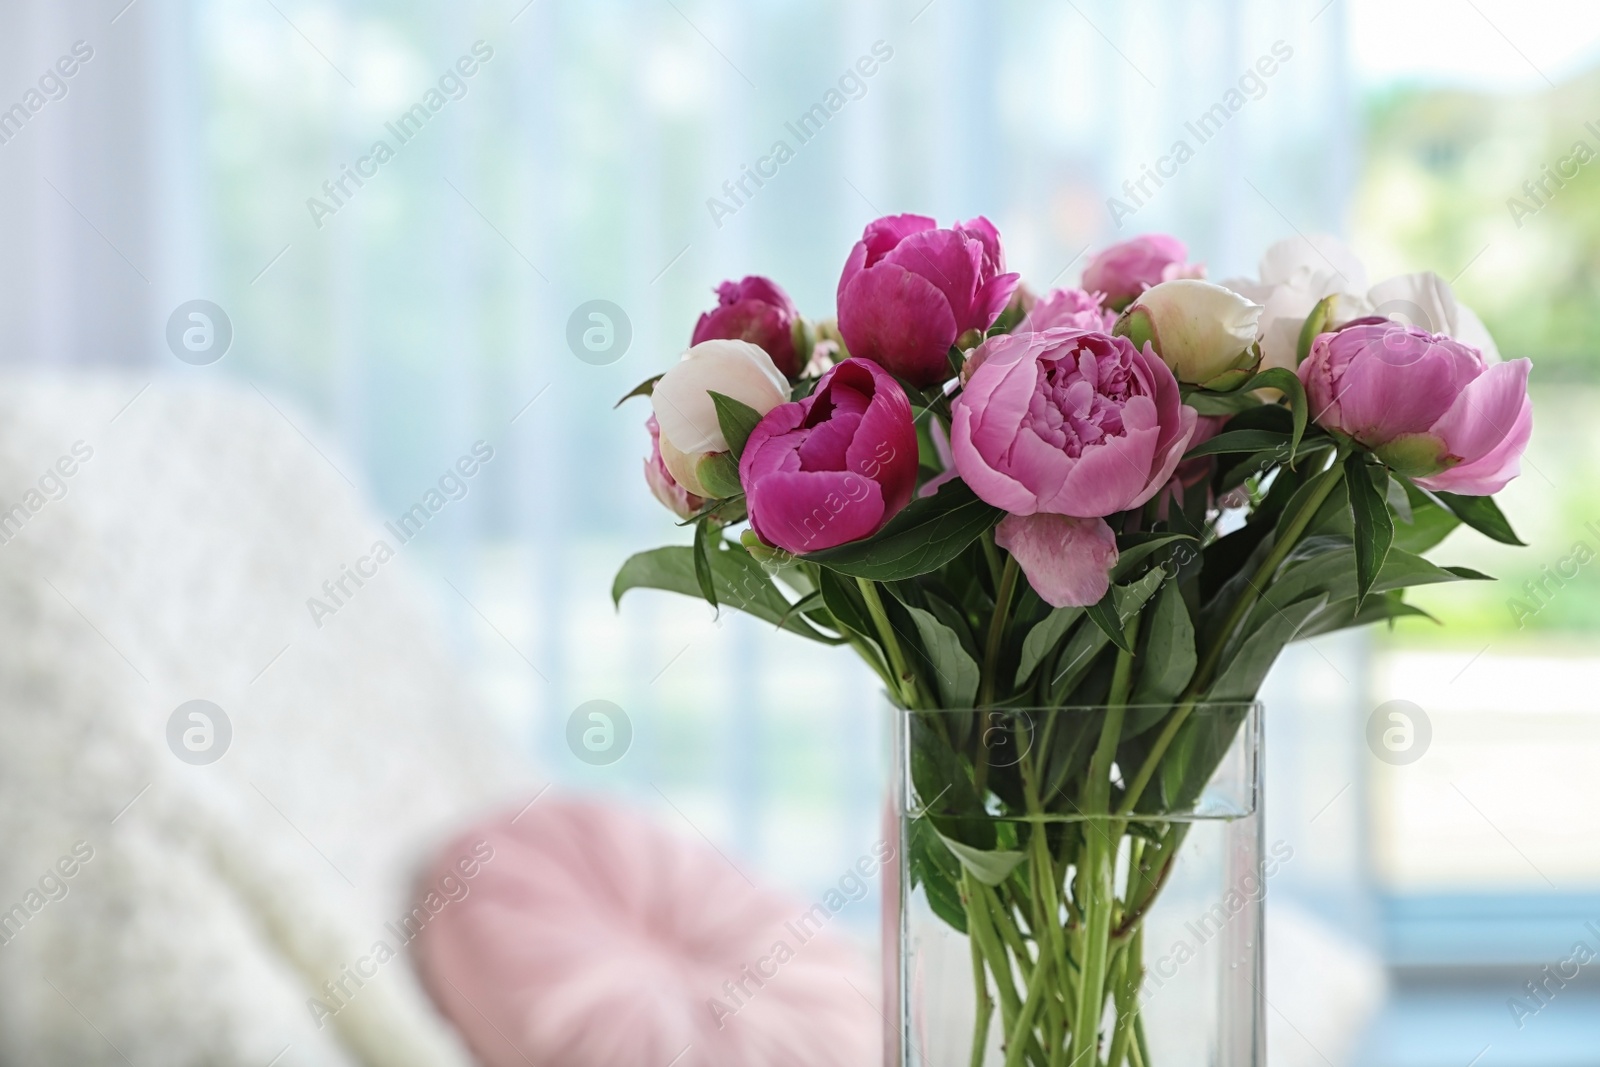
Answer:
[(1125, 270), (1068, 423), (1430, 407), (909, 289), (586, 936), (754, 309), (1076, 308), (835, 466), (663, 486)]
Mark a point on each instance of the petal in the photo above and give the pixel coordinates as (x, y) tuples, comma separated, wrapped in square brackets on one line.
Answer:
[(1068, 561), (983, 231), (1301, 257), (991, 485), (991, 299), (882, 235), (1109, 476), (1486, 412), (948, 260), (900, 321), (737, 369), (1397, 382), (1166, 463), (807, 511), (1491, 473)]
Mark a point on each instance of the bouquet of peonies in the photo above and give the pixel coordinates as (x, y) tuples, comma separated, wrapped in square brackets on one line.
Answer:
[(1124, 498)]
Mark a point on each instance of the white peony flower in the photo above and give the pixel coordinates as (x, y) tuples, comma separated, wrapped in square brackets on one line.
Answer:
[(1199, 329), (683, 407)]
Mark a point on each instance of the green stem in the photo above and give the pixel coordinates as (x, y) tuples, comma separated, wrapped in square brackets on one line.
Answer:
[(897, 658), (1241, 607), (1139, 1047), (1020, 1035), (997, 630), (985, 1006), (1099, 899), (1130, 972)]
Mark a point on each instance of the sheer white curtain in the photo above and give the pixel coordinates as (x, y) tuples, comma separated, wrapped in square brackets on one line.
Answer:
[(431, 309)]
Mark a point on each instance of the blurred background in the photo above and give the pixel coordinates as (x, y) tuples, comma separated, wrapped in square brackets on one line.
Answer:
[(200, 151)]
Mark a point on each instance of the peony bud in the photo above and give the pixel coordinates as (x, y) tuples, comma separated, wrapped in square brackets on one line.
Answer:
[(1429, 406), (757, 310), (688, 418), (1203, 332)]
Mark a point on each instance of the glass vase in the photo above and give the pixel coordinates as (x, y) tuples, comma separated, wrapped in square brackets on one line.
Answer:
[(1077, 887)]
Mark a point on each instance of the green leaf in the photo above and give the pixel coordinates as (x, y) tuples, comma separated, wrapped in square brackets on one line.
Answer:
[(644, 388), (1287, 383), (1316, 323), (702, 563), (928, 533), (1195, 753), (1043, 638), (1330, 573), (1087, 641), (736, 419), (845, 604), (932, 866), (955, 672), (1241, 441), (739, 582), (1482, 514), (1344, 614), (1429, 521), (1374, 526), (1104, 615), (989, 867), (719, 473), (1136, 549), (1169, 651), (1242, 673), (1209, 403)]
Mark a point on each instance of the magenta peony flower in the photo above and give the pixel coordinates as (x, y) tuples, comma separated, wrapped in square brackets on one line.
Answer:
[(1067, 423), (909, 289), (1076, 308), (1125, 270), (663, 486), (835, 466), (1429, 406), (754, 309)]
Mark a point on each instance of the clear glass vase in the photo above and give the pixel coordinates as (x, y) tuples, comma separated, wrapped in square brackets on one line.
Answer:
[(1077, 887)]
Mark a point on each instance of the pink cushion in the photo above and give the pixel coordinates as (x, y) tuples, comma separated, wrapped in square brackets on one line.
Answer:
[(587, 936)]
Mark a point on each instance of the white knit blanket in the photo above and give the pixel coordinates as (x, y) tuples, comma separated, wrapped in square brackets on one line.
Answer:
[(207, 904)]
